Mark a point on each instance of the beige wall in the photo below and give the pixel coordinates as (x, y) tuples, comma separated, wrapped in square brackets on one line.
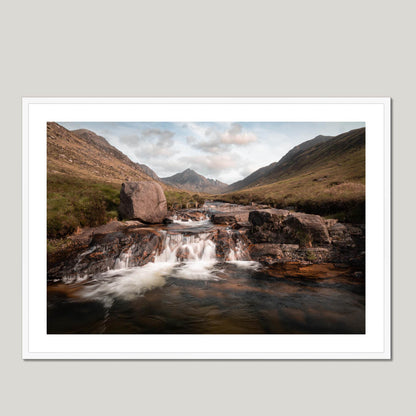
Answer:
[(210, 48)]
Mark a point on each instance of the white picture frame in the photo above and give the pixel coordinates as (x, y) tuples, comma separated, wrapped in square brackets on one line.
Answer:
[(374, 344)]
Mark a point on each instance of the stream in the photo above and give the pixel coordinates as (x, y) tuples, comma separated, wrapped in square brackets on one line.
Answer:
[(186, 290)]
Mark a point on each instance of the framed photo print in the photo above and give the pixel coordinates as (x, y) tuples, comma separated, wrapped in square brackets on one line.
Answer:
[(206, 228)]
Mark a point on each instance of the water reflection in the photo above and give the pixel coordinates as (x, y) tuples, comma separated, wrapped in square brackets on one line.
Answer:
[(236, 300)]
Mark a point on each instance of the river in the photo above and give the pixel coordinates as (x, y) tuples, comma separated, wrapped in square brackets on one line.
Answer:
[(186, 290)]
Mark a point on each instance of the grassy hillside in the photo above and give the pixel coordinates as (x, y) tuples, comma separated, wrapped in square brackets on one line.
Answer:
[(83, 154), (85, 174), (75, 202), (326, 179), (259, 175)]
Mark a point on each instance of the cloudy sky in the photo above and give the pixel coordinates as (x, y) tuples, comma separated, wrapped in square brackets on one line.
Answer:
[(224, 151)]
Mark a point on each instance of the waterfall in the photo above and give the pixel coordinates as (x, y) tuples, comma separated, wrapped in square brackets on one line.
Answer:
[(190, 257), (238, 252), (198, 253), (184, 255), (238, 249), (123, 261), (187, 248)]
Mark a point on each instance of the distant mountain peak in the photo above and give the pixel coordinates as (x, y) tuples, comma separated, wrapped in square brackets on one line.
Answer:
[(195, 182)]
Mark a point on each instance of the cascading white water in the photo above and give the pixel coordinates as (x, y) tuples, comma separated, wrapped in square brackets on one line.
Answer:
[(192, 223), (191, 257), (187, 248), (238, 250), (123, 261), (194, 256), (239, 255), (184, 256)]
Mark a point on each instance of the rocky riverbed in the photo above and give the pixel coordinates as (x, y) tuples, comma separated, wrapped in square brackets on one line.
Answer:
[(265, 235), (222, 268)]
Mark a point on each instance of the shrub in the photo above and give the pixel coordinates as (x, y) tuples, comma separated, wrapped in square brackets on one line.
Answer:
[(310, 255), (304, 238), (183, 199)]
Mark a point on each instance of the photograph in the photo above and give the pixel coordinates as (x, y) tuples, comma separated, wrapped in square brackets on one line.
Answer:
[(206, 227), (207, 208)]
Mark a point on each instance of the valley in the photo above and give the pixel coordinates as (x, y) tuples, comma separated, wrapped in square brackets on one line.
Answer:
[(280, 251)]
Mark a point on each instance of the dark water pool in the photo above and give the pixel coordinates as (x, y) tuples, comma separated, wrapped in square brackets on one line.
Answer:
[(221, 298)]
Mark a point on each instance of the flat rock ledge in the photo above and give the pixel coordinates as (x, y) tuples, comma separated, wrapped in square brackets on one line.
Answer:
[(99, 249)]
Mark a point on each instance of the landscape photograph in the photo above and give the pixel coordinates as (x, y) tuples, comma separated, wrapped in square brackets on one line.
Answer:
[(206, 227)]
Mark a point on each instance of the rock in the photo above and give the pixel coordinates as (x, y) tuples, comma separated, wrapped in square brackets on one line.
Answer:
[(340, 235), (85, 235), (281, 253), (266, 253), (231, 241), (183, 253), (267, 226), (144, 201), (260, 217), (348, 242), (240, 224), (138, 245), (330, 222), (336, 228), (355, 230), (190, 215), (307, 227), (230, 218), (308, 271), (314, 255)]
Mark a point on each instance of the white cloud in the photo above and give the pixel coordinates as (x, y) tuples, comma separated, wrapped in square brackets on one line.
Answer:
[(212, 140), (163, 137), (149, 143), (236, 135)]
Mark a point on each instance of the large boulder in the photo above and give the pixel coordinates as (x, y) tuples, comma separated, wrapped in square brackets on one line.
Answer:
[(282, 227), (271, 216), (144, 201), (267, 226), (308, 227)]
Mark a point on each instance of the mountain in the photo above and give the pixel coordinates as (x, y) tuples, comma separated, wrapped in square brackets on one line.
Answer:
[(192, 181), (93, 138), (148, 171), (310, 157), (324, 176), (261, 173), (82, 153), (84, 177)]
